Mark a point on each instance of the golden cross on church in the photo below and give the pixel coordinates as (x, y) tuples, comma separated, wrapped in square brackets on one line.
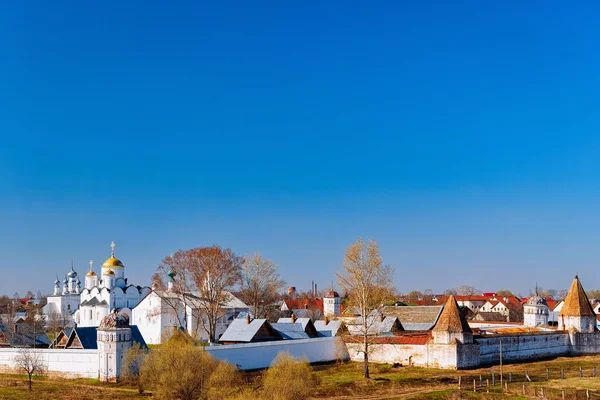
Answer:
[(112, 251), (91, 263)]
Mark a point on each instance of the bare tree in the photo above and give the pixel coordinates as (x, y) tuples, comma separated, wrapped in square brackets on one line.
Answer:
[(504, 293), (450, 292), (414, 295), (205, 276), (31, 362), (133, 363), (466, 290), (367, 282), (260, 284)]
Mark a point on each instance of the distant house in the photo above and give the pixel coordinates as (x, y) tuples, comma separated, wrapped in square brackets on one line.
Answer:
[(304, 308), (489, 316)]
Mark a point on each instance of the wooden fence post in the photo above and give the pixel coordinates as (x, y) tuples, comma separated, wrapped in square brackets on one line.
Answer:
[(580, 372), (562, 373), (547, 374), (487, 384), (493, 379), (563, 394), (542, 393), (474, 386), (459, 382), (594, 372), (510, 376), (506, 386), (480, 381), (523, 389)]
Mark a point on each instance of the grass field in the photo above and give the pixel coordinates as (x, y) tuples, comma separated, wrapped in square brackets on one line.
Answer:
[(344, 381)]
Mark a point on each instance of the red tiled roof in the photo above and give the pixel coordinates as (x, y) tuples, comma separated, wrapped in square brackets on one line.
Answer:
[(310, 304)]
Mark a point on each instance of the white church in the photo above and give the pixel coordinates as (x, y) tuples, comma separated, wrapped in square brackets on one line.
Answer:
[(101, 294)]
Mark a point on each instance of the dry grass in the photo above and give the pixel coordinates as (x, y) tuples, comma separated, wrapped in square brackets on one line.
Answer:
[(15, 387), (344, 381)]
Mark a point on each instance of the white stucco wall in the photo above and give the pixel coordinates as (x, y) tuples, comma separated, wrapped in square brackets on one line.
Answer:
[(66, 362), (451, 356), (261, 355), (523, 347)]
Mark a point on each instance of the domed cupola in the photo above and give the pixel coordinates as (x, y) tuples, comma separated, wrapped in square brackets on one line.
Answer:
[(112, 262), (114, 321)]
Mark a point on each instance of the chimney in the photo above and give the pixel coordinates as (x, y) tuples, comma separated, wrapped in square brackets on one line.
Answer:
[(247, 319), (381, 317), (315, 292), (293, 318)]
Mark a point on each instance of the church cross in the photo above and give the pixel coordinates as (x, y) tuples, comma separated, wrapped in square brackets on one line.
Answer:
[(112, 251), (91, 263)]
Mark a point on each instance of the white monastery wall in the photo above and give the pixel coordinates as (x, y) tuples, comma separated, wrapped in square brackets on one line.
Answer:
[(523, 347), (70, 363), (450, 356), (260, 355), (585, 343)]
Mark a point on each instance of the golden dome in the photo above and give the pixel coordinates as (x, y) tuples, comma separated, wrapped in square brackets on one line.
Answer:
[(109, 272), (112, 262), (90, 273)]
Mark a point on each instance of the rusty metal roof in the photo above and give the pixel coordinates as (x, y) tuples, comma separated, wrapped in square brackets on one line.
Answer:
[(577, 303), (451, 319)]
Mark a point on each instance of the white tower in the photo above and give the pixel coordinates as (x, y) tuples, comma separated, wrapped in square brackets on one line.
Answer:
[(114, 339), (535, 312), (577, 313), (90, 278), (57, 287), (331, 304)]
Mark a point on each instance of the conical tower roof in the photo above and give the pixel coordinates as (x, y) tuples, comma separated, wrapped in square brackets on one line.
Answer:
[(451, 319), (577, 303)]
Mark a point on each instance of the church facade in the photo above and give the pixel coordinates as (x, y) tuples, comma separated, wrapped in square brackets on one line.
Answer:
[(101, 294), (107, 291)]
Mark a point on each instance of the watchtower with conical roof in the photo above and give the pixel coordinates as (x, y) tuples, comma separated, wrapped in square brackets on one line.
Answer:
[(577, 313), (452, 326)]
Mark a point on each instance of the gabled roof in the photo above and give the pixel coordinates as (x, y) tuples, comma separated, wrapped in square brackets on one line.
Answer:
[(451, 319), (94, 302), (241, 331), (290, 330), (306, 323), (415, 318), (307, 304), (489, 316), (577, 303), (375, 326), (329, 329)]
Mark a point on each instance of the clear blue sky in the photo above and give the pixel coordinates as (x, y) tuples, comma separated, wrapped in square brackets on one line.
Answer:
[(463, 138)]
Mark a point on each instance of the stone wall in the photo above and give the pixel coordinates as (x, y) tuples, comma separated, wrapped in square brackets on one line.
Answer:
[(585, 343), (451, 356), (523, 347), (250, 356), (61, 362)]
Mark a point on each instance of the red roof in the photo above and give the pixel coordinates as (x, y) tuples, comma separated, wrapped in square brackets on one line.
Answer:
[(310, 304)]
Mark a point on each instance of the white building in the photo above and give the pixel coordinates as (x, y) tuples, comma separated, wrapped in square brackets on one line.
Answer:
[(64, 301), (331, 304), (106, 292), (161, 311), (535, 312)]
